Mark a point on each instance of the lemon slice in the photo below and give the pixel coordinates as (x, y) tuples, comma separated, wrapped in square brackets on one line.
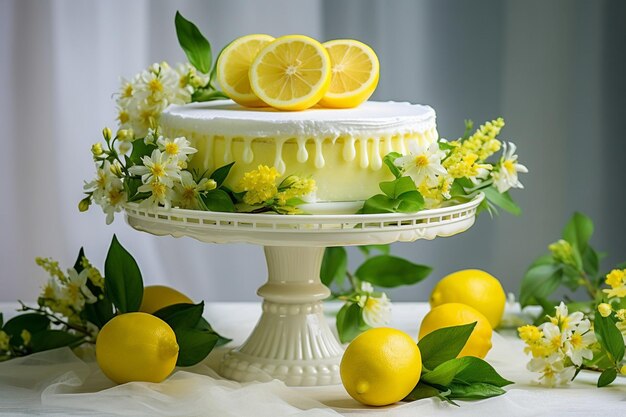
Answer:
[(355, 72), (233, 65), (291, 73)]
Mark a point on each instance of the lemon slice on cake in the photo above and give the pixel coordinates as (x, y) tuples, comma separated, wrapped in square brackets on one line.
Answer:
[(291, 73), (233, 65), (355, 72)]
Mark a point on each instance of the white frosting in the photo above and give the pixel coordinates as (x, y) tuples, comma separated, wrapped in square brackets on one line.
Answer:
[(370, 119)]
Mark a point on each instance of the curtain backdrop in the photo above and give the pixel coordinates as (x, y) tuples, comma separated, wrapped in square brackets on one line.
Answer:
[(554, 71)]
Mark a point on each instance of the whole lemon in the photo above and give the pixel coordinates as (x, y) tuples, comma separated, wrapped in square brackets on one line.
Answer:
[(155, 297), (475, 288), (136, 347), (456, 314), (381, 366)]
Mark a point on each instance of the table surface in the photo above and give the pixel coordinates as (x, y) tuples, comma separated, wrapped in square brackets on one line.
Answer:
[(61, 383)]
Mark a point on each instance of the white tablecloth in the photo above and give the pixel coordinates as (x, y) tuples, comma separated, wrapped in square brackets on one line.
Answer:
[(61, 383)]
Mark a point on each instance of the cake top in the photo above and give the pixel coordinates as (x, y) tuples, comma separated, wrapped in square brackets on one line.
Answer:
[(226, 118)]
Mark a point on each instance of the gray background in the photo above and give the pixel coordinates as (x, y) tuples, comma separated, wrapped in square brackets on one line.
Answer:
[(554, 70)]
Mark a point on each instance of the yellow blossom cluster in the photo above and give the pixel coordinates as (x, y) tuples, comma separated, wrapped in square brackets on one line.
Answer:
[(616, 280), (93, 273), (434, 196), (533, 337), (467, 156), (294, 187), (51, 267), (4, 341), (259, 185)]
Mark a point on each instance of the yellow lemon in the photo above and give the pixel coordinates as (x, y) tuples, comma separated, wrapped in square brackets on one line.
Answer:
[(381, 366), (155, 297), (354, 73), (233, 65), (136, 347), (456, 314), (291, 73), (475, 288)]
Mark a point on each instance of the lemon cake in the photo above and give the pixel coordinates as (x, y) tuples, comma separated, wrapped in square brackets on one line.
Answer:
[(341, 149)]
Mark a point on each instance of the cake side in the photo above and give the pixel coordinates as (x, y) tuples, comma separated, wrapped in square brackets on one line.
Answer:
[(342, 150)]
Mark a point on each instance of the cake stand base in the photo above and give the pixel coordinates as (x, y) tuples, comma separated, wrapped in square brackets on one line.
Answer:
[(292, 341)]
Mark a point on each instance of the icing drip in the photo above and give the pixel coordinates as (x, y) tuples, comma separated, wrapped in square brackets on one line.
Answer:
[(388, 144), (248, 155), (228, 153), (402, 149), (364, 163), (377, 161), (303, 154), (319, 156), (349, 151), (208, 151), (279, 164)]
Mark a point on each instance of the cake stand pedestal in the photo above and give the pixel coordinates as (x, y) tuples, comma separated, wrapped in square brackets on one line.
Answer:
[(292, 341)]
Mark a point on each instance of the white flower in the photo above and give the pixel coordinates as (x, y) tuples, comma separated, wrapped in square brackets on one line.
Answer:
[(505, 177), (423, 163), (565, 321), (576, 346), (188, 191), (102, 182), (115, 199), (160, 193), (157, 167), (366, 287), (76, 293), (376, 310), (553, 336), (190, 77), (176, 148), (553, 369)]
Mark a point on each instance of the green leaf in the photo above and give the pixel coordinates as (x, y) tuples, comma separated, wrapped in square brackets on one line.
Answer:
[(334, 265), (410, 202), (131, 185), (205, 94), (444, 344), (606, 377), (195, 45), (52, 339), (502, 200), (140, 149), (218, 200), (78, 265), (100, 312), (389, 160), (609, 337), (539, 282), (474, 391), (397, 187), (467, 370), (204, 325), (32, 322), (194, 345), (379, 203), (368, 249), (183, 315), (220, 174), (390, 271), (421, 391), (1, 320), (350, 322), (123, 283), (578, 231)]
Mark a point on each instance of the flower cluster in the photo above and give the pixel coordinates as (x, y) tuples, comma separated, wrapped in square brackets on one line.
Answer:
[(260, 188), (67, 294), (558, 346), (141, 99), (435, 168), (616, 279)]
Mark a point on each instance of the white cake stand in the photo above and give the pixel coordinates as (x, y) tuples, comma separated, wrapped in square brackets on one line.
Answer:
[(292, 341)]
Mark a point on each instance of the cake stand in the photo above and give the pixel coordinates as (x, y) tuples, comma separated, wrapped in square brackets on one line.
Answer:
[(292, 341)]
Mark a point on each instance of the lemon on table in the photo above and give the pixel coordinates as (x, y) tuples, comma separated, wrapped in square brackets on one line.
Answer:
[(456, 314), (291, 73), (381, 366), (233, 65), (354, 73), (155, 297), (475, 288), (136, 347)]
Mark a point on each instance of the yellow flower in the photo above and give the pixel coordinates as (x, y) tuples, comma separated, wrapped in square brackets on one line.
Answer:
[(51, 267), (529, 333), (93, 274), (622, 370), (621, 314), (259, 185), (96, 149), (294, 187), (4, 341), (615, 278), (605, 309), (25, 337)]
